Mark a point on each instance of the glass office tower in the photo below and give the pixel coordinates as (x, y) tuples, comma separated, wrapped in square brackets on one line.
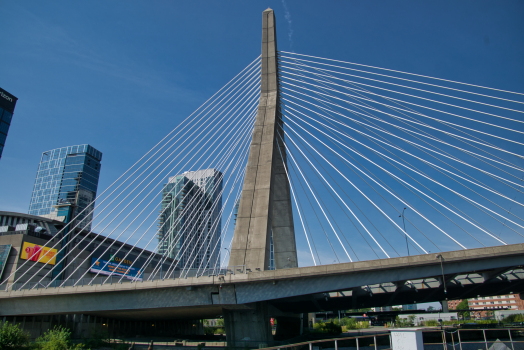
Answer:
[(67, 175), (7, 108), (190, 224)]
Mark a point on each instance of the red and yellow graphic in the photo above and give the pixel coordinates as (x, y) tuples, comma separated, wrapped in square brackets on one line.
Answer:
[(35, 252)]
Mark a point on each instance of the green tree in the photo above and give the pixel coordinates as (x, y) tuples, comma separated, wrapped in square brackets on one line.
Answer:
[(12, 337), (431, 308), (58, 338), (463, 305)]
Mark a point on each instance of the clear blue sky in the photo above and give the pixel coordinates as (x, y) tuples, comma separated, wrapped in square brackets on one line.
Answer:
[(118, 75)]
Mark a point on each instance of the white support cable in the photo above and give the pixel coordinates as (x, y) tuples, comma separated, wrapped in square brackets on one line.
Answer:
[(396, 136), (109, 187), (448, 171), (390, 76), (409, 87), (97, 235), (429, 191), (413, 74), (319, 205), (352, 184), (423, 160), (468, 176), (219, 198), (370, 177), (396, 177), (218, 220), (460, 195), (410, 121), (240, 175), (242, 139), (316, 216), (490, 164), (216, 139), (140, 192), (224, 138), (352, 201), (296, 204), (214, 224), (189, 205), (408, 131), (246, 132), (163, 238), (237, 198), (408, 111)]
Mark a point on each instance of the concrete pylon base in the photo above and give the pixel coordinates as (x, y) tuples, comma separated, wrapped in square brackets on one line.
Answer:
[(248, 327), (288, 327)]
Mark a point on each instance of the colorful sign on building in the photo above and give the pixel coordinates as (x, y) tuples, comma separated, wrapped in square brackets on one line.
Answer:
[(35, 252), (108, 268), (4, 254)]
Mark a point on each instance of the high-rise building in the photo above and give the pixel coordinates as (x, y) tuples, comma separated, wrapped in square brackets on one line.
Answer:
[(7, 108), (190, 223), (67, 175)]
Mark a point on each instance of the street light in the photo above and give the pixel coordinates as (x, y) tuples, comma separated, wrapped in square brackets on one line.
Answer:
[(405, 233)]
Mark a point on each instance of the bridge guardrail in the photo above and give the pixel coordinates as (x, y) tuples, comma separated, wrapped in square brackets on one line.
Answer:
[(433, 339), (101, 280)]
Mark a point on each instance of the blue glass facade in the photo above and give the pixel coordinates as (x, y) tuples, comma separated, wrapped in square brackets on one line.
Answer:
[(67, 175), (7, 107)]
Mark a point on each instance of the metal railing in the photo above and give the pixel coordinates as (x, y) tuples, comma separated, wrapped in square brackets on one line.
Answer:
[(101, 280), (362, 342), (466, 339)]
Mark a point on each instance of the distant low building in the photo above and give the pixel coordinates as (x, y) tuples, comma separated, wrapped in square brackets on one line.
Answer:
[(25, 238), (484, 306)]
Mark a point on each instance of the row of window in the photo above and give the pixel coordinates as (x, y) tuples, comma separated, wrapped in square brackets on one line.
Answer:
[(5, 116)]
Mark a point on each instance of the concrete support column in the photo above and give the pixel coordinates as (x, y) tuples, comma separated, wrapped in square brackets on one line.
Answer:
[(265, 203), (251, 325), (287, 327), (444, 306)]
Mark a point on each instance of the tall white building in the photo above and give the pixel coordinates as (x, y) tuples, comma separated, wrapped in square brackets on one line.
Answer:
[(190, 223)]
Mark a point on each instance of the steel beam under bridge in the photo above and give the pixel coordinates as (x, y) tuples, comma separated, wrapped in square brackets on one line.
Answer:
[(481, 271)]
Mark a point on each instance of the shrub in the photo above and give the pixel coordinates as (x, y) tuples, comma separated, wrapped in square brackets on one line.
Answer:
[(513, 318), (328, 327), (58, 338), (430, 323), (405, 322), (97, 340), (12, 337)]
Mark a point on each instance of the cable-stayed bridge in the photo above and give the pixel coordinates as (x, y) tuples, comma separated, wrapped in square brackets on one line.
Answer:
[(387, 186)]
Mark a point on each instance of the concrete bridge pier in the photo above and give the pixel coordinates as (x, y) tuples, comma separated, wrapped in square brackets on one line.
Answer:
[(248, 327), (289, 326)]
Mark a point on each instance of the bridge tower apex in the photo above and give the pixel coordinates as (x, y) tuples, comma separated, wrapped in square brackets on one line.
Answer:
[(265, 209)]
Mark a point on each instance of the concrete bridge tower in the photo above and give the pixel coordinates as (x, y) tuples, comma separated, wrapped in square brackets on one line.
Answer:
[(265, 203)]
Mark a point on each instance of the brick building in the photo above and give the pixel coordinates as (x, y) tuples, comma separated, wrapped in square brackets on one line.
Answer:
[(484, 306)]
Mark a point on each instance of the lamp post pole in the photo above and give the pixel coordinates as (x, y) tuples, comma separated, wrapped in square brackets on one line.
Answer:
[(405, 233)]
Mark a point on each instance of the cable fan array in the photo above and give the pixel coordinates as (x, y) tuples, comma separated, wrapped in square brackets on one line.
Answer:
[(385, 163), (215, 137), (381, 163)]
